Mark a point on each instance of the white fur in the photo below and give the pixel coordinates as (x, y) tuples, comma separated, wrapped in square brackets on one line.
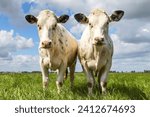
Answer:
[(63, 50), (96, 58)]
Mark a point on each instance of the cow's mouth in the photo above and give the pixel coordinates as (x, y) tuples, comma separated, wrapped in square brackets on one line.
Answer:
[(98, 43), (46, 46)]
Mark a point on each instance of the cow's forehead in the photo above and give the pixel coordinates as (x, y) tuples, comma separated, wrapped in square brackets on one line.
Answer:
[(98, 14), (97, 11), (46, 12), (44, 15)]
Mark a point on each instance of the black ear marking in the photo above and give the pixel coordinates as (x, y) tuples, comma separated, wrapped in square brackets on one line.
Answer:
[(31, 19), (117, 15), (63, 19), (81, 18)]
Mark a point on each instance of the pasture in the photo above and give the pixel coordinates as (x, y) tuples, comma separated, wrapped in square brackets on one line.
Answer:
[(28, 86)]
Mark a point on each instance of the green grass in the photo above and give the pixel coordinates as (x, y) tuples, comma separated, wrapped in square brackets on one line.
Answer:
[(28, 86)]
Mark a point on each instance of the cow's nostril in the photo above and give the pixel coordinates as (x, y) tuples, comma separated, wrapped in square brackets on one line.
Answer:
[(49, 43), (102, 39)]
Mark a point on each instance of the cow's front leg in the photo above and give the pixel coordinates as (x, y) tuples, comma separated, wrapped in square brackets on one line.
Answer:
[(102, 77), (90, 77), (60, 78), (72, 70), (44, 70), (104, 81)]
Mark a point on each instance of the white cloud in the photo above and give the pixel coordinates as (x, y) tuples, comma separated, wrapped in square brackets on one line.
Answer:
[(77, 29), (123, 49), (130, 56), (22, 42), (57, 5), (20, 63), (129, 64), (132, 31), (10, 43), (13, 10), (145, 30)]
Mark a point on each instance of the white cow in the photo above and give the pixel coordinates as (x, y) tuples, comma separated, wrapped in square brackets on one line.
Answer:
[(95, 50), (57, 47)]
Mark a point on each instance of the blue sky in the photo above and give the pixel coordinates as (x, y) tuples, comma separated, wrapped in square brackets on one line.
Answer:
[(19, 40)]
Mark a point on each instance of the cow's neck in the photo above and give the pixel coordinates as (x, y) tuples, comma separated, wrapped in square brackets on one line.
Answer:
[(97, 51)]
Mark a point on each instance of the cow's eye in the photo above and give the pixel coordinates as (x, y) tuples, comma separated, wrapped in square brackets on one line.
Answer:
[(91, 26), (107, 22), (54, 27), (39, 27)]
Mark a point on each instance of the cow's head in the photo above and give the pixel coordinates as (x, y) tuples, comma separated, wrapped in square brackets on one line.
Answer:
[(47, 26), (98, 22)]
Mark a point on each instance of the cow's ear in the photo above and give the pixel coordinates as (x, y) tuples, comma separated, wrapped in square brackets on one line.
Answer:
[(81, 18), (31, 19), (117, 15), (63, 19)]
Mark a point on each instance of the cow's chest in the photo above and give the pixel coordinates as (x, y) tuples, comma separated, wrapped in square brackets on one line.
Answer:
[(51, 59), (56, 58), (55, 64), (96, 57), (87, 52)]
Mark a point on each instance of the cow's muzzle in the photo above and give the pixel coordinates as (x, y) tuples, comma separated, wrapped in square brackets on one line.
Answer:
[(98, 41), (46, 44)]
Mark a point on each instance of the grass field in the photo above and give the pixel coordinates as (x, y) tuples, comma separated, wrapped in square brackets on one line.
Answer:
[(28, 86)]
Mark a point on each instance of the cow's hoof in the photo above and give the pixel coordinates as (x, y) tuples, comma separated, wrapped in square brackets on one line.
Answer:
[(65, 77), (104, 92), (59, 85), (90, 94), (71, 85), (45, 85), (58, 91)]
